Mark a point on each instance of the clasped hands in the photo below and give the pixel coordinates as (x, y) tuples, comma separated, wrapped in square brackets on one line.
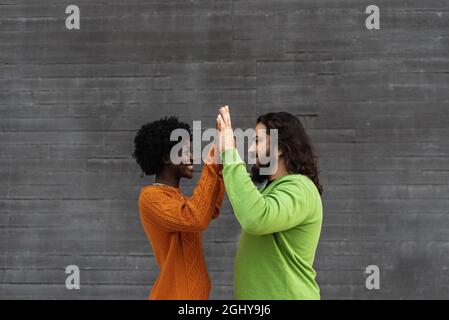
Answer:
[(225, 135)]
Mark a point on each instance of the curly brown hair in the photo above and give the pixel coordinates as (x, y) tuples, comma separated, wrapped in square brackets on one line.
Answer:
[(298, 153)]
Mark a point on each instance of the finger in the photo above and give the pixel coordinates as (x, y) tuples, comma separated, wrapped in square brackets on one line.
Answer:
[(227, 117), (221, 122), (223, 114), (220, 111)]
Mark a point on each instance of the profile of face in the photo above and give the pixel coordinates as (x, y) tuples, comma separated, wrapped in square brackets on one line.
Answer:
[(185, 168), (260, 152)]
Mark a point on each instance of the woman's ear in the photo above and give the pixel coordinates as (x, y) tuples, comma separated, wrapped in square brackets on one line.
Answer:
[(280, 153)]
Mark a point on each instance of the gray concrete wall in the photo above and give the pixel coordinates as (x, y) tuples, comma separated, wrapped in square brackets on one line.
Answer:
[(374, 101)]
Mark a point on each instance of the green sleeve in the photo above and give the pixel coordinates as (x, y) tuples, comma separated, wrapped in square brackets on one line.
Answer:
[(283, 208)]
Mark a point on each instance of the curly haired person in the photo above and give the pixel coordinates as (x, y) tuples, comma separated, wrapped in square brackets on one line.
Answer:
[(173, 222), (281, 221)]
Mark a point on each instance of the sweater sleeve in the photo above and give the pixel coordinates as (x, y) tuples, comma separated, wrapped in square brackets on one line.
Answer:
[(173, 212), (283, 208), (221, 191)]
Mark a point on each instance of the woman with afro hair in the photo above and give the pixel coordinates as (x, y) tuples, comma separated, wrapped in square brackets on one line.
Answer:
[(173, 222)]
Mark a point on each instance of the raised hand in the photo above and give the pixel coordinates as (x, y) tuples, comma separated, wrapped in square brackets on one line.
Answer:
[(226, 134), (213, 155)]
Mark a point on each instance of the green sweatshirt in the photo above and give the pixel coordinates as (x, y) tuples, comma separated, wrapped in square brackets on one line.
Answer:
[(281, 226)]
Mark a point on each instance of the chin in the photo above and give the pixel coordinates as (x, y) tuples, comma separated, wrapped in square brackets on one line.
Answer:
[(188, 172)]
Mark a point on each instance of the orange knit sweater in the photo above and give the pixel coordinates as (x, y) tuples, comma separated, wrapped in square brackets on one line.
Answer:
[(173, 223)]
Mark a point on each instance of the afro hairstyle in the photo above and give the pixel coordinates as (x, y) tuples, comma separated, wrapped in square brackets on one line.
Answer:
[(152, 143)]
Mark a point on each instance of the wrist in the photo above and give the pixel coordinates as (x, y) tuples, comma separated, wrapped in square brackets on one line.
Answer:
[(230, 156)]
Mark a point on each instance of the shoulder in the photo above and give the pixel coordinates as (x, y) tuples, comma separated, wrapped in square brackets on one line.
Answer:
[(302, 188), (298, 182), (153, 193)]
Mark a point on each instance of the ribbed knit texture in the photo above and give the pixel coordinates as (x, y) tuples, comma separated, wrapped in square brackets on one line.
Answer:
[(173, 223)]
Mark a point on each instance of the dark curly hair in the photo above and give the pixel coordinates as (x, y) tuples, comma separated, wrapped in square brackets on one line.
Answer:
[(152, 143), (293, 140)]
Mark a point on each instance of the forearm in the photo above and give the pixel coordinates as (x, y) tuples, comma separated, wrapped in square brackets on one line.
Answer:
[(282, 208), (246, 200), (206, 194), (174, 213)]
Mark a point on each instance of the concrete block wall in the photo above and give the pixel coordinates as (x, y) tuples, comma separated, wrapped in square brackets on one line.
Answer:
[(375, 103)]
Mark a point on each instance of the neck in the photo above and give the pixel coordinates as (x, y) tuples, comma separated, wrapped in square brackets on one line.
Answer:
[(167, 178)]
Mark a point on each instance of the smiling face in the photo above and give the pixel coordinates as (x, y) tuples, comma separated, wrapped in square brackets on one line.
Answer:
[(295, 154), (185, 168), (260, 144), (260, 149)]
